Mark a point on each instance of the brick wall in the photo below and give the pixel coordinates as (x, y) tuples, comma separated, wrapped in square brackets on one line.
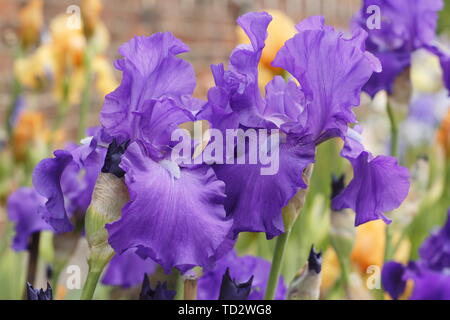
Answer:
[(207, 26)]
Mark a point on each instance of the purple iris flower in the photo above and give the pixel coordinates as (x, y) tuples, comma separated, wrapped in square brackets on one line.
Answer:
[(175, 215), (67, 182), (306, 115), (429, 274), (127, 269), (435, 251), (241, 269), (379, 184), (23, 207), (404, 27)]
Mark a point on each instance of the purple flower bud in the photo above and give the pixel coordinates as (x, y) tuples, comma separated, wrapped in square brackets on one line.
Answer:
[(230, 290), (160, 293), (35, 294)]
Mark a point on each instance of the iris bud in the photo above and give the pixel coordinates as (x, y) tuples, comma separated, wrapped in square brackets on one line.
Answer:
[(160, 292), (35, 294), (230, 290), (306, 283), (109, 196)]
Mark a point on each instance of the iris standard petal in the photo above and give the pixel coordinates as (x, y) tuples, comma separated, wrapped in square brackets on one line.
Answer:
[(150, 71)]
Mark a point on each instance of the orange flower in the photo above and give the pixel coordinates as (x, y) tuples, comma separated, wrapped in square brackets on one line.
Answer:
[(31, 133), (369, 245), (28, 130), (90, 12), (443, 135), (30, 21)]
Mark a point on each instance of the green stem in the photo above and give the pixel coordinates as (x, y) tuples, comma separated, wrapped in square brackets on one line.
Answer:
[(394, 152), (86, 98), (394, 130), (96, 266), (90, 284), (280, 248), (179, 285)]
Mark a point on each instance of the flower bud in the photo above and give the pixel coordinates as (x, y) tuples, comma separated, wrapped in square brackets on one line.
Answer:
[(230, 290), (306, 283), (109, 196), (35, 294), (160, 293)]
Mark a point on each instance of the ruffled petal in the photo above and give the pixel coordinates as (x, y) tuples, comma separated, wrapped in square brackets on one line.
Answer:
[(254, 200), (331, 71), (127, 269), (405, 25), (379, 185), (157, 122), (150, 71), (67, 182), (175, 215), (393, 63), (47, 181), (285, 102), (240, 82), (23, 206)]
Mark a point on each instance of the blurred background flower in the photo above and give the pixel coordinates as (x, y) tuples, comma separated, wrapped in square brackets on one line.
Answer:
[(56, 66)]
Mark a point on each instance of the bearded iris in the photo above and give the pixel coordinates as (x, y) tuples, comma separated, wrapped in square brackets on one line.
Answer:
[(405, 26), (185, 215)]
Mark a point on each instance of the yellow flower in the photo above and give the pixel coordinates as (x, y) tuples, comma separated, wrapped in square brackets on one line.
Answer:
[(280, 29), (35, 70), (30, 23), (68, 44), (369, 245), (105, 80), (426, 73)]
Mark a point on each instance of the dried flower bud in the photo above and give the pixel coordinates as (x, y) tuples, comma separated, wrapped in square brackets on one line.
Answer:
[(306, 283), (109, 196)]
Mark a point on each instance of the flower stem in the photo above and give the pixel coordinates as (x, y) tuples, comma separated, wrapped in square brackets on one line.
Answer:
[(33, 250), (394, 152), (280, 248), (96, 267), (179, 285), (394, 130), (90, 285), (290, 214)]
